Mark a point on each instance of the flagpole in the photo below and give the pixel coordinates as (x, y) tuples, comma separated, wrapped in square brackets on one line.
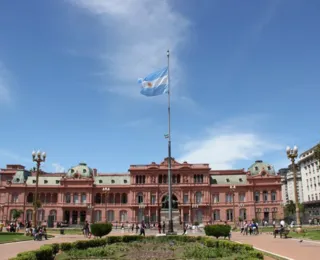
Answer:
[(170, 229)]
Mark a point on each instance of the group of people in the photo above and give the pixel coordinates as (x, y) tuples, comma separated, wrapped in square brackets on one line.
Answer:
[(38, 233), (251, 228)]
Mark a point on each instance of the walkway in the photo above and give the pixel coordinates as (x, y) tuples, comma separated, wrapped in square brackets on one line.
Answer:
[(288, 248)]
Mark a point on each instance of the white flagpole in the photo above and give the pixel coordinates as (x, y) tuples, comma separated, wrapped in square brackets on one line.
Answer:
[(170, 230)]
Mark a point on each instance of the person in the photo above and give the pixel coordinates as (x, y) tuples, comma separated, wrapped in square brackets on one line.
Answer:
[(159, 227), (132, 227), (137, 228), (163, 227), (142, 230), (184, 229)]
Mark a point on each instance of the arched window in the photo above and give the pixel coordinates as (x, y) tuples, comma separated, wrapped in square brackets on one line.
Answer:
[(199, 216), (216, 215), (144, 179), (111, 198), (68, 198), (43, 198), (137, 179), (110, 215), (256, 196), (48, 198), (178, 178), (140, 197), (118, 198), (124, 198), (98, 198), (53, 213), (243, 214), (30, 197), (242, 197), (273, 195), (160, 178), (123, 216), (174, 178), (164, 178), (29, 215), (198, 197), (14, 198), (229, 214), (97, 215), (265, 196)]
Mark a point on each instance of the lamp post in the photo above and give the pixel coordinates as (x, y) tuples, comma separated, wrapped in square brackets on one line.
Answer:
[(105, 191), (232, 189), (292, 154), (37, 157)]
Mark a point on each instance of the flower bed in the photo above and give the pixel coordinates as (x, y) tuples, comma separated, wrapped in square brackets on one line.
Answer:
[(137, 247)]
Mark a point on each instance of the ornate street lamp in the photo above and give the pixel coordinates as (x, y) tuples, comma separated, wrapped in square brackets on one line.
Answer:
[(105, 191), (37, 157), (292, 155), (233, 189)]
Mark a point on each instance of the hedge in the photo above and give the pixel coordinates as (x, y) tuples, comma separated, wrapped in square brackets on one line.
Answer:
[(48, 252), (217, 230), (101, 229)]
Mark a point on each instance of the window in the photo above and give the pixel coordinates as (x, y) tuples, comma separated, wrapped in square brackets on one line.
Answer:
[(229, 214), (75, 198), (14, 198), (124, 198), (83, 198), (45, 181), (228, 180), (228, 198), (100, 181), (240, 180), (140, 197), (199, 216), (243, 214), (123, 216), (214, 181), (125, 181), (97, 215), (216, 215), (256, 168), (68, 198), (273, 196), (57, 181), (40, 215), (160, 178), (265, 196), (256, 196), (242, 197), (153, 199), (53, 213), (98, 198), (84, 171), (112, 181), (29, 215), (185, 198), (198, 197), (110, 215), (33, 181), (215, 198)]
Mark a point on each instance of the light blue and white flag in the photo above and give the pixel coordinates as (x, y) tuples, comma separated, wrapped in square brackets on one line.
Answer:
[(155, 84)]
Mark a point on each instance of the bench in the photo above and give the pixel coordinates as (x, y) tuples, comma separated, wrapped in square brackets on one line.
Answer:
[(281, 232)]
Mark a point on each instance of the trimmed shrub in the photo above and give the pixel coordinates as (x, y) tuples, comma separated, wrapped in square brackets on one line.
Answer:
[(30, 255), (128, 239), (217, 230), (114, 239), (44, 253), (101, 229), (84, 244), (55, 248), (66, 246)]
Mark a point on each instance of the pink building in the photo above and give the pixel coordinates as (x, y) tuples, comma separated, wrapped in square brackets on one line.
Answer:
[(199, 194)]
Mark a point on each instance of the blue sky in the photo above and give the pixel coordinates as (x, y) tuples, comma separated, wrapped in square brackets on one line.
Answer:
[(245, 81)]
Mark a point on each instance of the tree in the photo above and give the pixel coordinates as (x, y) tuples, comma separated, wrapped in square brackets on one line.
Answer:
[(16, 213), (290, 208), (101, 229)]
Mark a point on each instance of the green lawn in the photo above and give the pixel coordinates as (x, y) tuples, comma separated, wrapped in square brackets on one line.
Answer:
[(310, 234), (13, 237), (73, 231)]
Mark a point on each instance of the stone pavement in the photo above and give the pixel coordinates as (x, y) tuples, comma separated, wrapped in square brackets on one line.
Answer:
[(287, 248)]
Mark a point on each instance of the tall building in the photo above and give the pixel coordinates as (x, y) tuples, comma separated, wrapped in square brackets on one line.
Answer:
[(199, 194), (310, 175), (287, 180)]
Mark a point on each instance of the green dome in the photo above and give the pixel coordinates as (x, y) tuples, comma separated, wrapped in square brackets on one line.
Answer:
[(260, 166), (81, 170)]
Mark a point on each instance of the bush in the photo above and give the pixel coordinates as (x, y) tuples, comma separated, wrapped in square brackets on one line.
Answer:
[(101, 229), (30, 255), (217, 230), (66, 246), (85, 244), (44, 253), (55, 248)]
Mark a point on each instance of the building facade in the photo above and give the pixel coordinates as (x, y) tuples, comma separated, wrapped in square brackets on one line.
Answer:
[(199, 194), (287, 180), (310, 176)]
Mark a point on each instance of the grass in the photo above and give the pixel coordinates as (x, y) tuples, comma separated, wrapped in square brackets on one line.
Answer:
[(67, 231), (308, 234), (13, 237)]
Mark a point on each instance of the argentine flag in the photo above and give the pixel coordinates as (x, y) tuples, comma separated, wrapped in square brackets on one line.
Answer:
[(155, 84)]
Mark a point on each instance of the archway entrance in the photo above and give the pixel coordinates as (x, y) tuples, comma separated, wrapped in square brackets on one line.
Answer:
[(165, 202)]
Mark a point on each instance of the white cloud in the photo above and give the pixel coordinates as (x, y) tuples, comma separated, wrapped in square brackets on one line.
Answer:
[(10, 158), (58, 167), (224, 147), (137, 35), (4, 85)]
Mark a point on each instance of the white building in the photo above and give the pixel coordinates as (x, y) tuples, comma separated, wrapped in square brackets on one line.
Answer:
[(310, 175), (287, 188)]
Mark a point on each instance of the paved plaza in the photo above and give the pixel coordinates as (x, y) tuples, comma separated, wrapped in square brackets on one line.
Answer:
[(287, 248)]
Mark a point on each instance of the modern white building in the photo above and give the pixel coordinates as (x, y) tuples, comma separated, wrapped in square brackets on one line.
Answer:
[(287, 188), (310, 175)]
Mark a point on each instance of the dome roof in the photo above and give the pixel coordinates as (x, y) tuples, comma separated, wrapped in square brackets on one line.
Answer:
[(81, 170), (260, 166)]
